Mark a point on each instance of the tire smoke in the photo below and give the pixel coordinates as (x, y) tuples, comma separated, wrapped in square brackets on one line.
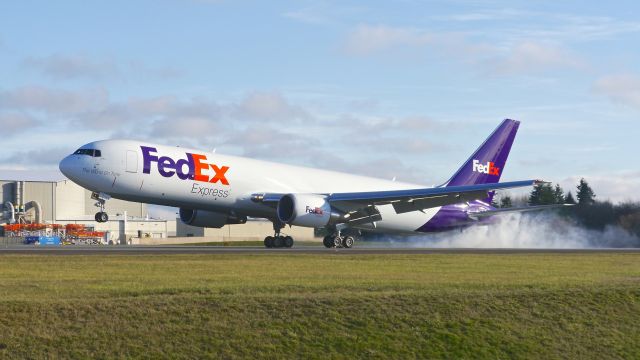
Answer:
[(523, 231)]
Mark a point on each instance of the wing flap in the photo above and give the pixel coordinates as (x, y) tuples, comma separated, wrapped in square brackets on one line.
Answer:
[(434, 201), (368, 214)]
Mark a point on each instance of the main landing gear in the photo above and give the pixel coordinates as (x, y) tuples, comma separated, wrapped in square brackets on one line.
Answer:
[(278, 240), (338, 241), (101, 216)]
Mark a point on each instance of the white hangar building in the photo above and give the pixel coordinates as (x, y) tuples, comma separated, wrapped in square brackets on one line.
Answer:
[(57, 200)]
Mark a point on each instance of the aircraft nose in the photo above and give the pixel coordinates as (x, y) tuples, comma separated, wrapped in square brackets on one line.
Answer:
[(66, 167)]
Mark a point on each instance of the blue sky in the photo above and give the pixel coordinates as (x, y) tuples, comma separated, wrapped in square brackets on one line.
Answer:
[(404, 89)]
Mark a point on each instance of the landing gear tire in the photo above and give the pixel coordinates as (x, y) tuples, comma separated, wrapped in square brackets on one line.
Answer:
[(328, 242), (268, 241), (347, 242), (337, 241), (278, 241), (102, 217), (288, 241)]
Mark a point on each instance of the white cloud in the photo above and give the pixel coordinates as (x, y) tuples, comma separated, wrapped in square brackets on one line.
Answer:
[(620, 88), (483, 15), (270, 106), (71, 66), (15, 122), (53, 101), (509, 55), (519, 25), (309, 16), (532, 57), (174, 106), (140, 70), (184, 127), (572, 28), (369, 39), (48, 157), (322, 12)]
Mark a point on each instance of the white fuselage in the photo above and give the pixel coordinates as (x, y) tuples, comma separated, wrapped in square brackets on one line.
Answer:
[(223, 183)]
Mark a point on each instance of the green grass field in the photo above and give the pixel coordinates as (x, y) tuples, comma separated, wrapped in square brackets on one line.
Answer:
[(321, 306)]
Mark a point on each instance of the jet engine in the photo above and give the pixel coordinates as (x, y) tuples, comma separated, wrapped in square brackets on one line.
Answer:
[(308, 210), (210, 219)]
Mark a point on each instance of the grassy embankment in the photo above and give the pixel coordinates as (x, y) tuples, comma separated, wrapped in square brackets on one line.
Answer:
[(320, 306)]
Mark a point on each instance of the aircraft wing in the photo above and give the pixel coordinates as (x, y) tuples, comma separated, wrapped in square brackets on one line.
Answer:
[(483, 214), (360, 207)]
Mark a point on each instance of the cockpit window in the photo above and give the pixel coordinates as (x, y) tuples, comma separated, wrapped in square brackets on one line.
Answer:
[(90, 152), (84, 152)]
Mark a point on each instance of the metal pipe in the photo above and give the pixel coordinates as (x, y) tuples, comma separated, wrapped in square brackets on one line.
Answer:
[(38, 208), (17, 195), (12, 212), (22, 183)]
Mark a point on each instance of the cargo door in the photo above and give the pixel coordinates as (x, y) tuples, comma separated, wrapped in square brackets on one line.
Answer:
[(132, 161)]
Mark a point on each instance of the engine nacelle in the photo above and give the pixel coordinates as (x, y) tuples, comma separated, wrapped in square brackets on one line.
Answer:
[(308, 210), (210, 219)]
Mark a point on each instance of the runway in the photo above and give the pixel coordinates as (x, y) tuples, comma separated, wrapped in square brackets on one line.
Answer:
[(250, 250)]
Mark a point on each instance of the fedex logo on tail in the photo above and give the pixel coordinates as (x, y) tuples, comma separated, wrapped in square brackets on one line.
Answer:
[(194, 167), (488, 168)]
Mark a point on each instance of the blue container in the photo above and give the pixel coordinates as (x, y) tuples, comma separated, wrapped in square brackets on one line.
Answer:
[(43, 240)]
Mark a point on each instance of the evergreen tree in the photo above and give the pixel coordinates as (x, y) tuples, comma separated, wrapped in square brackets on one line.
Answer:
[(585, 194), (505, 202), (492, 196), (558, 195), (534, 197), (542, 194), (568, 199)]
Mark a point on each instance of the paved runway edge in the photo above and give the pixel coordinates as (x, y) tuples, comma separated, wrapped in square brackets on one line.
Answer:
[(363, 250)]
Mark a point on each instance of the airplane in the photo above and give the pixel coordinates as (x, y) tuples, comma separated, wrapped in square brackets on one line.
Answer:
[(213, 190)]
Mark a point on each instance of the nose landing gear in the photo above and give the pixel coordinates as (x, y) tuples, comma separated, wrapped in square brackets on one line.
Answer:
[(101, 216)]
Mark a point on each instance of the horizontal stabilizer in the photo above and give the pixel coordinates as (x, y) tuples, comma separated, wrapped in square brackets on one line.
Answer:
[(482, 214)]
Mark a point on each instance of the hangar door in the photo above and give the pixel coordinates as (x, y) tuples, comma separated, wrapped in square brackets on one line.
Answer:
[(132, 161)]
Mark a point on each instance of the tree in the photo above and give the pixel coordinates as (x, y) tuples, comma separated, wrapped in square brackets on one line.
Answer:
[(542, 194), (568, 199), (492, 197), (585, 194), (558, 195), (505, 202)]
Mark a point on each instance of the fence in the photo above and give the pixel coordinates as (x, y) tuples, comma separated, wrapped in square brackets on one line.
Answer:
[(76, 234), (9, 241)]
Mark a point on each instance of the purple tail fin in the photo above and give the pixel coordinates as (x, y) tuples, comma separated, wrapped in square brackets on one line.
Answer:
[(487, 163)]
